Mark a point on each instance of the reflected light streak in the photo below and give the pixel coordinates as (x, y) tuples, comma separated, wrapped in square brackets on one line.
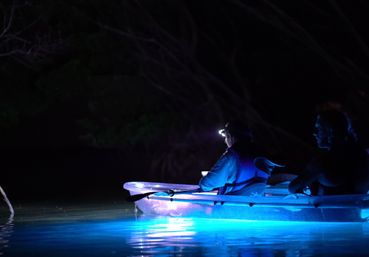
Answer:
[(163, 233), (6, 232), (177, 236), (364, 214)]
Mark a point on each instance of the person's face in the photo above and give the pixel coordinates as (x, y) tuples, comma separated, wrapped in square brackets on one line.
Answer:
[(322, 134), (229, 139)]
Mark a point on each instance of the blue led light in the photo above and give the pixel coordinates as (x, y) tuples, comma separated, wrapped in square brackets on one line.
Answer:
[(364, 214)]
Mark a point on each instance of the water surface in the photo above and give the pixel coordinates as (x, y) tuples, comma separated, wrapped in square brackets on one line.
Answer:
[(117, 229)]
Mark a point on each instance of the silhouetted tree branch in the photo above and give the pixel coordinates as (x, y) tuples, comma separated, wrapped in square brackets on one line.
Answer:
[(169, 60), (26, 41)]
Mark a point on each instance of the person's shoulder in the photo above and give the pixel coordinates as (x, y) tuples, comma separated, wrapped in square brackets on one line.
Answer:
[(230, 153), (227, 157)]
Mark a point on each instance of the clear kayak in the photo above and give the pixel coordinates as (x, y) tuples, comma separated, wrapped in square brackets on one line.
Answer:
[(274, 204)]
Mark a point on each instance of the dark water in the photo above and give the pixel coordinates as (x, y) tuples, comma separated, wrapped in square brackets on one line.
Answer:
[(116, 230)]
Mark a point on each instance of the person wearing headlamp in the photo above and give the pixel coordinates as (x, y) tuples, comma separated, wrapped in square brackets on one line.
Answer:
[(242, 169)]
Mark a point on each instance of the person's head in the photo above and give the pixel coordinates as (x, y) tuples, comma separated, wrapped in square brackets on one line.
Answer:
[(236, 131), (332, 127)]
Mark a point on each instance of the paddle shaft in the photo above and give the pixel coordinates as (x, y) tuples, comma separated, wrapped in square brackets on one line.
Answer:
[(7, 201), (137, 197)]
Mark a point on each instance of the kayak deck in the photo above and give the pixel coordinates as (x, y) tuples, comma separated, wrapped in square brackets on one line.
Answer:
[(276, 204)]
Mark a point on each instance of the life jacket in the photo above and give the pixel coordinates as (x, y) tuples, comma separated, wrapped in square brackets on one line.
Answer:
[(248, 173)]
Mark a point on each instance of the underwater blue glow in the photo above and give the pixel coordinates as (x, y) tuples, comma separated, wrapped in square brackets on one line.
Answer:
[(80, 234), (364, 214)]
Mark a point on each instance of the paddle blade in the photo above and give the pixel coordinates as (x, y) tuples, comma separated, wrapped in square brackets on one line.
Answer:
[(134, 198)]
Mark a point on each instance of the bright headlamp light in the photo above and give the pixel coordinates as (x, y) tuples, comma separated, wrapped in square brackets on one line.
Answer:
[(222, 132)]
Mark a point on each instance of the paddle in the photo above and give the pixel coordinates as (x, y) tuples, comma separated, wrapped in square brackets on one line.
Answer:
[(7, 202), (134, 198)]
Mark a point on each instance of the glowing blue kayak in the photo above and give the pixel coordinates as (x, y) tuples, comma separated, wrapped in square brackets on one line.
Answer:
[(274, 204)]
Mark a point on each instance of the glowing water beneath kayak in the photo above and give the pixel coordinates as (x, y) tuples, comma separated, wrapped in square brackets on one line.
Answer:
[(116, 230)]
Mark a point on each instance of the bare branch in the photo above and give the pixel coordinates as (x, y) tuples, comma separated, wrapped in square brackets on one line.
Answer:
[(29, 49), (8, 21)]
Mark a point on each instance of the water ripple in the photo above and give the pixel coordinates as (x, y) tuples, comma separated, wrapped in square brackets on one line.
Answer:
[(116, 231)]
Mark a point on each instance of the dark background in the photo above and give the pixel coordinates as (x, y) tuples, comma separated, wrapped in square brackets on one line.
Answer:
[(97, 93)]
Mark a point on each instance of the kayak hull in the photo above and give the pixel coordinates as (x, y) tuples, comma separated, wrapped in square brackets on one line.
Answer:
[(276, 204)]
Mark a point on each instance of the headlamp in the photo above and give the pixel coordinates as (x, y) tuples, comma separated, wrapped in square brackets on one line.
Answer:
[(222, 132)]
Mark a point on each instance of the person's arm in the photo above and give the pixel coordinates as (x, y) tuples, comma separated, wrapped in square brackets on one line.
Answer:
[(280, 177), (310, 175), (220, 173)]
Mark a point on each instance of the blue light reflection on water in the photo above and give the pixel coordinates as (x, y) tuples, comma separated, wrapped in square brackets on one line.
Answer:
[(148, 236)]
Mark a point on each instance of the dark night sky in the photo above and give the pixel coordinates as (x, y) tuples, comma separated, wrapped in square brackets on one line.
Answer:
[(94, 94)]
